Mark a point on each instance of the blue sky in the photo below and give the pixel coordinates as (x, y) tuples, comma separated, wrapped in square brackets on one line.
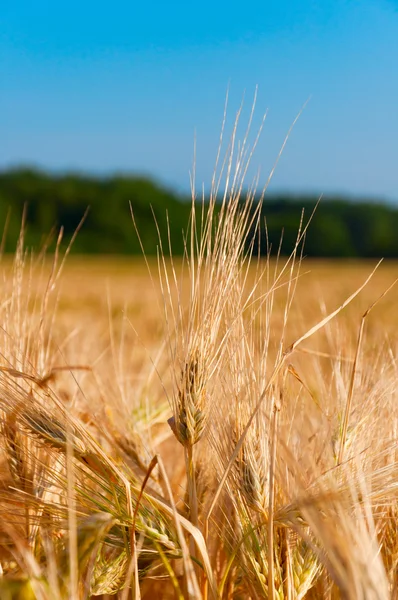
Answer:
[(124, 86)]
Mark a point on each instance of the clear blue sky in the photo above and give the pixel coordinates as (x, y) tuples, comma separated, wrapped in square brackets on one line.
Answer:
[(123, 86)]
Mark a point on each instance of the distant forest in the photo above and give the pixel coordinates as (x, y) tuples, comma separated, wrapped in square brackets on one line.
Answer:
[(340, 227)]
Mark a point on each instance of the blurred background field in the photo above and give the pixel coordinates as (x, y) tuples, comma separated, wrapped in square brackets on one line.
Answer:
[(90, 284), (94, 289), (96, 293)]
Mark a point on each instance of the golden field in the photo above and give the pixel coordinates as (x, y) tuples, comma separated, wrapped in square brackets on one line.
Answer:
[(92, 369), (129, 286)]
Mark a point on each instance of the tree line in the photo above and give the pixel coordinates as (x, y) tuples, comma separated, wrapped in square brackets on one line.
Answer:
[(339, 228)]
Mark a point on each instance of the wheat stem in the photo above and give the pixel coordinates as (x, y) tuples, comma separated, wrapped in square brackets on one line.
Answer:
[(270, 530)]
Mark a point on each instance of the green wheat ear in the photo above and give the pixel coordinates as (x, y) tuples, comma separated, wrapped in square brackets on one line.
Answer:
[(109, 575), (90, 534)]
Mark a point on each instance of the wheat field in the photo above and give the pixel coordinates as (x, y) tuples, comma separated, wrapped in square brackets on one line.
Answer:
[(128, 466), (217, 426)]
